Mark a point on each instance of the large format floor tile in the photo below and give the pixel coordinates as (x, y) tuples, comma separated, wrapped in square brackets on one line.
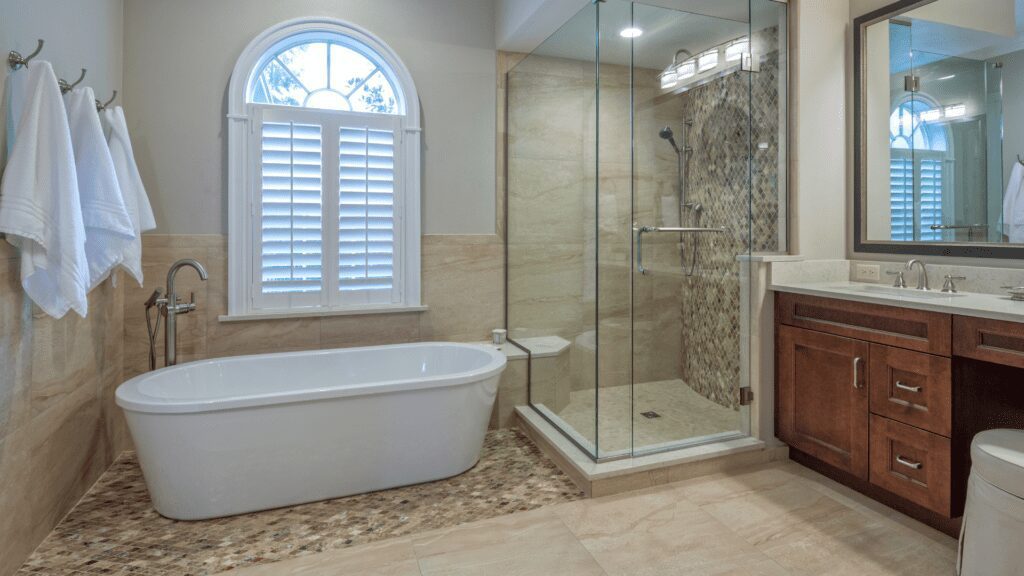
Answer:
[(771, 520)]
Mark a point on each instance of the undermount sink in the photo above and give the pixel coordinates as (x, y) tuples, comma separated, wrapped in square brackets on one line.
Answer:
[(904, 292)]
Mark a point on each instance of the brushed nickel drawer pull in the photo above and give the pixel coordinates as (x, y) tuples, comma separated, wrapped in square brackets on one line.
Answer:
[(908, 463), (856, 371), (903, 386)]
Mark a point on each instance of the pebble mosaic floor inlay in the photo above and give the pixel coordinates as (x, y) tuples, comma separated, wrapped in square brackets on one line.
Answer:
[(114, 529)]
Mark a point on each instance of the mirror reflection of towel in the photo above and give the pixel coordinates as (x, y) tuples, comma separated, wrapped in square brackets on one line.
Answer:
[(1013, 206)]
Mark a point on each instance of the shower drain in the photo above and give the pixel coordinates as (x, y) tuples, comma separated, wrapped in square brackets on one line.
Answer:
[(651, 414)]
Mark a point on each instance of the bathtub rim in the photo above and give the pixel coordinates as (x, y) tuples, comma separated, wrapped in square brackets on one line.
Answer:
[(130, 399)]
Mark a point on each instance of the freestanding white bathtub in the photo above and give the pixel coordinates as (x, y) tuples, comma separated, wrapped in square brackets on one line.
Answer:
[(234, 435)]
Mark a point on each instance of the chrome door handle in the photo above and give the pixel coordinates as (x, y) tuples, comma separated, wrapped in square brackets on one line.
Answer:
[(856, 371), (908, 463), (903, 386)]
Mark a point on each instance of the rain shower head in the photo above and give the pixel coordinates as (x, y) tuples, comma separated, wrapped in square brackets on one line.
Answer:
[(666, 134)]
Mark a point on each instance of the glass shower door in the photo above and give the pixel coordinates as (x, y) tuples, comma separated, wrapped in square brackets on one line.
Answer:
[(705, 194)]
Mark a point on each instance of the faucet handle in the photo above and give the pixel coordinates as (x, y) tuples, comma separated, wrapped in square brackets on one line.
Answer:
[(950, 285), (900, 280)]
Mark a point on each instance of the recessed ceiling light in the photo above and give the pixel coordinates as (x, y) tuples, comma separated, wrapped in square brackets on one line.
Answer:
[(631, 32)]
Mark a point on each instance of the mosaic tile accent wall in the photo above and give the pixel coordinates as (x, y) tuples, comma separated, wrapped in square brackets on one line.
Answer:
[(719, 176)]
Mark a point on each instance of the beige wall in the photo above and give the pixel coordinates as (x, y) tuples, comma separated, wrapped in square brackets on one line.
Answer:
[(59, 427), (462, 286), (179, 56), (78, 35), (818, 200)]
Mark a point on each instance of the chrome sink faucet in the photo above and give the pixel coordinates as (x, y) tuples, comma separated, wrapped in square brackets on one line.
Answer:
[(922, 275), (169, 307)]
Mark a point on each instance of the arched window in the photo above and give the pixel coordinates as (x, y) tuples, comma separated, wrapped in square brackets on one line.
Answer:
[(324, 149), (918, 145)]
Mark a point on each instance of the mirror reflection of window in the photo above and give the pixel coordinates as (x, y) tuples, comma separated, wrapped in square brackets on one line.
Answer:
[(918, 152)]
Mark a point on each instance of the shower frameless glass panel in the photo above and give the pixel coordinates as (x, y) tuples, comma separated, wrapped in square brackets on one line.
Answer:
[(708, 146), (551, 266), (632, 133)]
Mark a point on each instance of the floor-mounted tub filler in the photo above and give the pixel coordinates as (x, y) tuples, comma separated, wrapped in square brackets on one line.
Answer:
[(234, 435)]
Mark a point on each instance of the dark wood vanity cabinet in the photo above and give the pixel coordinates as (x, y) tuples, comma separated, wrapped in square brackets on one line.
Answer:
[(887, 399), (866, 390), (823, 397)]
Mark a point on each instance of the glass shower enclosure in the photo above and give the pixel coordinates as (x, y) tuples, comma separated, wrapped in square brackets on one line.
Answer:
[(645, 160)]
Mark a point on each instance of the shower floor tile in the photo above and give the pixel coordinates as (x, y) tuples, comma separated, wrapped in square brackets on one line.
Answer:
[(114, 529), (681, 414)]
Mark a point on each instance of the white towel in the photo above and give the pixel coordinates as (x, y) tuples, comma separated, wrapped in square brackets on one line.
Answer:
[(108, 228), (1013, 206), (135, 198), (39, 204)]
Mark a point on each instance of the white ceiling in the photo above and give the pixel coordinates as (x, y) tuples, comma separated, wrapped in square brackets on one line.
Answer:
[(693, 25), (948, 40)]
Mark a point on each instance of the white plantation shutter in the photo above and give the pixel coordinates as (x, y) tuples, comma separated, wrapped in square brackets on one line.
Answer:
[(291, 218), (324, 172), (367, 231), (300, 258)]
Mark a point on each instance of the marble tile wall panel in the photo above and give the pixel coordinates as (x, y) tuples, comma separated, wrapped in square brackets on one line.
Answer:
[(462, 286), (59, 426)]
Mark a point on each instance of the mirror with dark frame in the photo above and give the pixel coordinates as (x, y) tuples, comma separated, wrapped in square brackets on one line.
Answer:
[(939, 128)]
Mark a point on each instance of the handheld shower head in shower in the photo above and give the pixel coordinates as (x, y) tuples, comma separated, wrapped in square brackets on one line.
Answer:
[(667, 134)]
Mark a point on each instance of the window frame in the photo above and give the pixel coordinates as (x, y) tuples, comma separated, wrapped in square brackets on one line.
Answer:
[(244, 128)]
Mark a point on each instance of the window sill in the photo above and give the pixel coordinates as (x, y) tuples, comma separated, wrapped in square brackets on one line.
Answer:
[(290, 314)]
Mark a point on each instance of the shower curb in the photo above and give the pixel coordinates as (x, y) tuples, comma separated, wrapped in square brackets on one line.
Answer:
[(623, 475)]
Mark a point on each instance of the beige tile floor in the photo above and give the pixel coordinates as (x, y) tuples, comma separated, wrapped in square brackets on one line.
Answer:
[(684, 414), (775, 519)]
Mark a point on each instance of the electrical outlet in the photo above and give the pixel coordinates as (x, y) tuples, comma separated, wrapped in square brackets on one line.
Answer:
[(867, 273)]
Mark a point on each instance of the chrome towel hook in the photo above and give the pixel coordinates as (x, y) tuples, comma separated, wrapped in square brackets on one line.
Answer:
[(15, 60), (100, 106), (65, 87)]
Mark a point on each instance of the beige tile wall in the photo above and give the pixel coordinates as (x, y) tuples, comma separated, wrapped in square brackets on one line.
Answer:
[(462, 286), (59, 426)]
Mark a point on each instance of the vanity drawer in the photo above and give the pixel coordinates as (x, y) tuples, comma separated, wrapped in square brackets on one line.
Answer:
[(911, 387), (901, 327), (911, 463), (989, 340)]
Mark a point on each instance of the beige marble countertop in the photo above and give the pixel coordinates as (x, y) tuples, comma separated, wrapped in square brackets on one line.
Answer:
[(996, 307)]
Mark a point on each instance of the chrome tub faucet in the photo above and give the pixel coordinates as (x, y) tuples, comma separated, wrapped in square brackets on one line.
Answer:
[(169, 306)]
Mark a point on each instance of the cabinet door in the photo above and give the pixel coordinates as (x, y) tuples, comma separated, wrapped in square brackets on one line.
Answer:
[(822, 397)]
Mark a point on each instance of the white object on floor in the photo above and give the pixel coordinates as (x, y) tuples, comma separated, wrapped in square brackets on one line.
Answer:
[(108, 229), (40, 210), (993, 525), (135, 199), (1013, 205), (234, 435)]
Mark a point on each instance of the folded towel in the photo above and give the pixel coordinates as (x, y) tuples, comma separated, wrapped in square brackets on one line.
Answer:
[(1013, 205), (108, 228), (40, 208), (134, 193)]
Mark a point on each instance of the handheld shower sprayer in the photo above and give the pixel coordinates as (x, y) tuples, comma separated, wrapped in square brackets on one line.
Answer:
[(667, 134)]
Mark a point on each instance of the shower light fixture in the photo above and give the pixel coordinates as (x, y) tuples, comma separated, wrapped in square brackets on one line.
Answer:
[(736, 49), (675, 71), (955, 111), (707, 60), (631, 32), (687, 69), (669, 78)]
